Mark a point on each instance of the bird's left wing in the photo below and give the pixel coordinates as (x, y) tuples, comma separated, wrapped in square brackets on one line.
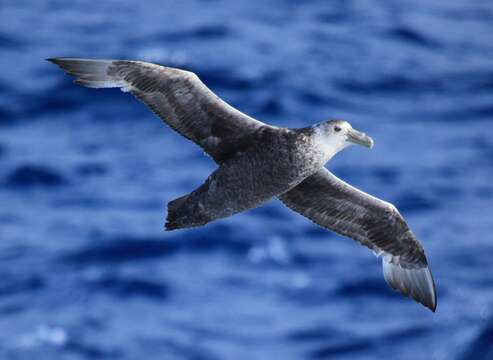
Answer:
[(177, 96), (335, 205)]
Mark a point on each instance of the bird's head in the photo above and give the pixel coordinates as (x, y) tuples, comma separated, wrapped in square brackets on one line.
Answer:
[(338, 134)]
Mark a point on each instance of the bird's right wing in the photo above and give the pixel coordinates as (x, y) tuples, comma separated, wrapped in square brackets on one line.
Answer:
[(335, 205), (177, 96)]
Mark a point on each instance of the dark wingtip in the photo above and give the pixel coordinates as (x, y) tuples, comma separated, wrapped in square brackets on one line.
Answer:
[(433, 305), (417, 283), (433, 308)]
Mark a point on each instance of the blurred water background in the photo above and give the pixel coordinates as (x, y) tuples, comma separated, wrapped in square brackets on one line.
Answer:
[(87, 271)]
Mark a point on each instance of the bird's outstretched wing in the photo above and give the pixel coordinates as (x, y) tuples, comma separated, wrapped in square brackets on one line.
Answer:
[(335, 205), (177, 96)]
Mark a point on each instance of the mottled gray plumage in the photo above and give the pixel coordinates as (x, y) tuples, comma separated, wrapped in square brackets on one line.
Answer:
[(258, 162), (276, 161)]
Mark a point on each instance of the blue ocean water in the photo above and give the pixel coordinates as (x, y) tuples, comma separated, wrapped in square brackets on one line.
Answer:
[(87, 270)]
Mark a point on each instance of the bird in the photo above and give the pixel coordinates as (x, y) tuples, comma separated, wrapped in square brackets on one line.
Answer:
[(258, 162)]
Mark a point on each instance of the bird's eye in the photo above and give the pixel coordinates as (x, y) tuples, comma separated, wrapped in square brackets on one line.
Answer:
[(337, 128)]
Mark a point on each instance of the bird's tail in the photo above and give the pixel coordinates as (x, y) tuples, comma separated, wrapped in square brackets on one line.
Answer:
[(176, 218), (187, 211), (91, 72)]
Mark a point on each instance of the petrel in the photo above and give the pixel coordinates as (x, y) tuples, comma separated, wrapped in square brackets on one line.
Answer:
[(257, 162)]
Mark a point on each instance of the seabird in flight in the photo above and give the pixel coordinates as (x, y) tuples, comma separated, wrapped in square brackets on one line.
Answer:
[(257, 162)]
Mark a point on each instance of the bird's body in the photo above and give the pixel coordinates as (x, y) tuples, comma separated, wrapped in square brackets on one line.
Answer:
[(257, 162), (249, 179)]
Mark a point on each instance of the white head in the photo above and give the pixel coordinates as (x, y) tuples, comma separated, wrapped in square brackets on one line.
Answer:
[(335, 135)]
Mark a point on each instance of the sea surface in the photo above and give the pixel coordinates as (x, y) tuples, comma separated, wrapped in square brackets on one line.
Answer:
[(86, 269)]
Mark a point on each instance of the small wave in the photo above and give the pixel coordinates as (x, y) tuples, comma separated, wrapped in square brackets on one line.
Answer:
[(351, 173), (65, 97), (3, 88), (412, 36), (92, 351), (202, 32), (205, 32), (334, 16), (92, 169), (318, 333), (484, 192), (405, 334), (61, 97), (329, 341), (391, 83), (7, 117), (127, 286), (8, 42), (458, 113), (31, 175), (386, 175), (415, 202), (447, 191), (271, 106), (12, 285), (347, 347), (365, 287), (481, 347), (123, 249), (226, 78)]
